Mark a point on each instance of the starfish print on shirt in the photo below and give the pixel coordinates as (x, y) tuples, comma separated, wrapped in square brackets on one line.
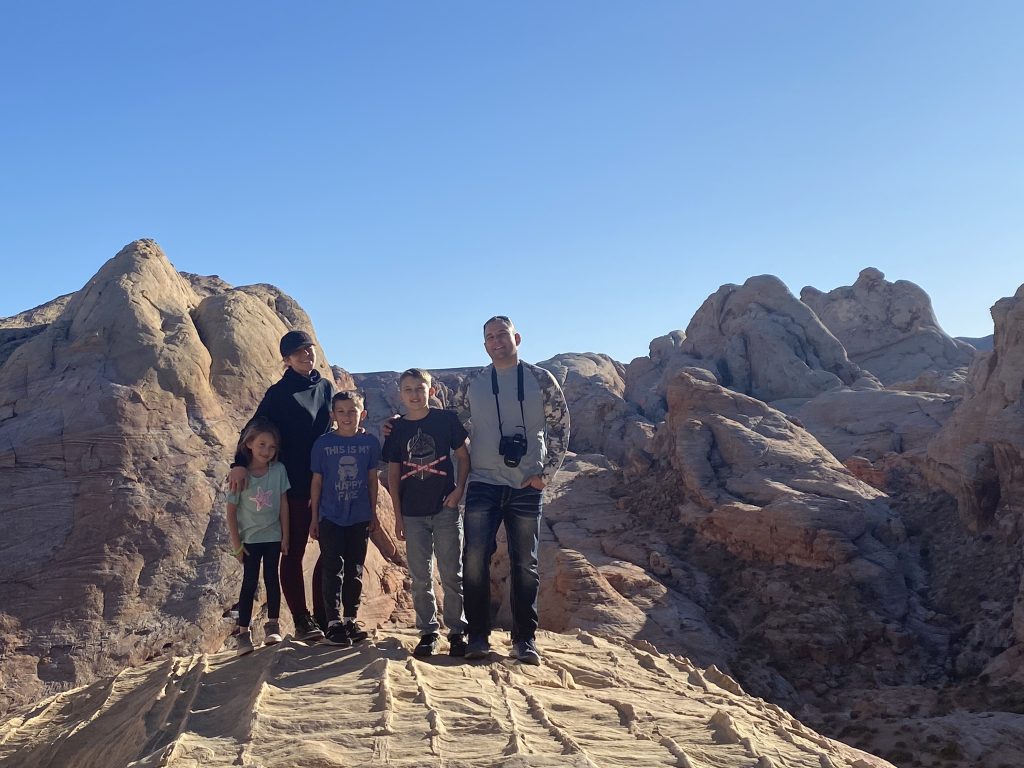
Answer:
[(261, 498)]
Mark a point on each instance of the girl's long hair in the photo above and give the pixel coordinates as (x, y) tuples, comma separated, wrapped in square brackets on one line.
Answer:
[(257, 427)]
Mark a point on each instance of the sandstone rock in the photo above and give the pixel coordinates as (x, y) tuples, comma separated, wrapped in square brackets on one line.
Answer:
[(872, 423), (646, 378), (978, 456), (116, 427), (980, 343), (602, 421), (889, 329), (594, 702), (16, 330), (757, 339)]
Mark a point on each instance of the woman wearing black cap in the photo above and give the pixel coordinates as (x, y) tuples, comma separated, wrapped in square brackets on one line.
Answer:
[(299, 405)]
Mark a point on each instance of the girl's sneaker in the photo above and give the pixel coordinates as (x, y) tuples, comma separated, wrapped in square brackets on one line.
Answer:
[(244, 643), (272, 633)]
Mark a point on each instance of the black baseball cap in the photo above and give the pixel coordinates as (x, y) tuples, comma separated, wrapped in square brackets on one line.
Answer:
[(293, 341)]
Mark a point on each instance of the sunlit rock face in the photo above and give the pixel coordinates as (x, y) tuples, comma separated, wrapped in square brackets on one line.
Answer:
[(118, 418), (978, 456), (890, 329), (757, 339)]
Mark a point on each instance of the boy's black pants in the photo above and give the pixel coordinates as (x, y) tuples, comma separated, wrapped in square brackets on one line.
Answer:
[(342, 551)]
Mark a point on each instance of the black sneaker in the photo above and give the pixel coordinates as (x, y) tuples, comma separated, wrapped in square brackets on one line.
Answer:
[(336, 635), (427, 645), (306, 629), (526, 652), (355, 633), (456, 645), (479, 647)]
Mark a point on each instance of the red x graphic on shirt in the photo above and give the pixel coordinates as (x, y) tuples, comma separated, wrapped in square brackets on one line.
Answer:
[(424, 468)]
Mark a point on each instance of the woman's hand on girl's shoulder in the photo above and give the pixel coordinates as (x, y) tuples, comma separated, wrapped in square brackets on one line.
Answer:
[(238, 478)]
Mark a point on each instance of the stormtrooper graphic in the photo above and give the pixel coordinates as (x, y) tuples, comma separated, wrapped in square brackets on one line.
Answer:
[(423, 458), (348, 478)]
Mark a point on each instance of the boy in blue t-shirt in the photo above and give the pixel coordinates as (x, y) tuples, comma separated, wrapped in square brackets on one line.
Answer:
[(343, 496)]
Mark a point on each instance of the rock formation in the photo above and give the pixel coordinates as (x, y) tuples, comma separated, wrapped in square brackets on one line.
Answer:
[(757, 339), (602, 421), (594, 702), (891, 330), (723, 504), (117, 421), (978, 457)]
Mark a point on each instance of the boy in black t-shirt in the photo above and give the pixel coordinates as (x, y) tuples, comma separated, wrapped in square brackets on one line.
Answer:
[(426, 497)]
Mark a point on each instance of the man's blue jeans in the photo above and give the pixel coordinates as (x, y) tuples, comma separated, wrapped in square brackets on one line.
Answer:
[(439, 534), (487, 507)]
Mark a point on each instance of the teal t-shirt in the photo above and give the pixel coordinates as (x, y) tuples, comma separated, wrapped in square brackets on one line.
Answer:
[(259, 505)]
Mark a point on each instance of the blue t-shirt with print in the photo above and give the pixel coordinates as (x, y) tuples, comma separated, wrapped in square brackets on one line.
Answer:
[(345, 463)]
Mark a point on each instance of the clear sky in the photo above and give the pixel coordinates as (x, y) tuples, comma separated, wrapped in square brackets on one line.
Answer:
[(593, 169)]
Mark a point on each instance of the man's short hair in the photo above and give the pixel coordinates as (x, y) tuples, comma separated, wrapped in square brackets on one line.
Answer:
[(354, 395), (503, 319), (418, 374)]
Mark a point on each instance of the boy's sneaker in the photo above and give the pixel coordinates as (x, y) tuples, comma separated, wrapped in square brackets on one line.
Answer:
[(244, 643), (526, 652), (355, 633), (456, 645), (427, 645), (336, 635), (306, 628), (478, 648), (272, 633)]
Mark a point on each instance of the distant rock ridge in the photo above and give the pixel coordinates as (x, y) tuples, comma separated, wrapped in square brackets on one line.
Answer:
[(891, 330), (756, 339)]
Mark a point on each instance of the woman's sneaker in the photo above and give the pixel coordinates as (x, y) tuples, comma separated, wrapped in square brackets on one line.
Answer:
[(336, 635), (272, 633), (306, 628), (244, 643)]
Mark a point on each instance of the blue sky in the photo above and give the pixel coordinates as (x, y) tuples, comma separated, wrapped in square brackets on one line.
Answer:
[(593, 169)]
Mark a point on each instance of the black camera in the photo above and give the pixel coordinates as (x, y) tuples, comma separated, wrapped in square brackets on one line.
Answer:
[(512, 449)]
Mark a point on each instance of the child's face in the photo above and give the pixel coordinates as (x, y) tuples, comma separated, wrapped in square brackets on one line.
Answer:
[(415, 393), (347, 415), (263, 447)]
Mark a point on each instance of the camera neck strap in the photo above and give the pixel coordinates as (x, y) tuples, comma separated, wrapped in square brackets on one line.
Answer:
[(519, 386)]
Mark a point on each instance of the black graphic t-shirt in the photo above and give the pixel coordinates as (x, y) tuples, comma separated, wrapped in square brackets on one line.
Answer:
[(423, 448)]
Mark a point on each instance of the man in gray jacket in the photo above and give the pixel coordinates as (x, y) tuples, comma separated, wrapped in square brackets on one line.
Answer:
[(519, 432)]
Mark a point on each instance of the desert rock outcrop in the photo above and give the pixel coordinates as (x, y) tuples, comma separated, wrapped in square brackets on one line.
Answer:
[(757, 339), (117, 422), (891, 330), (594, 702)]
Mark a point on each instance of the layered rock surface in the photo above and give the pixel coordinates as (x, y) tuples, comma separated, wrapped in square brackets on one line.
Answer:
[(891, 330), (757, 339), (376, 705)]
